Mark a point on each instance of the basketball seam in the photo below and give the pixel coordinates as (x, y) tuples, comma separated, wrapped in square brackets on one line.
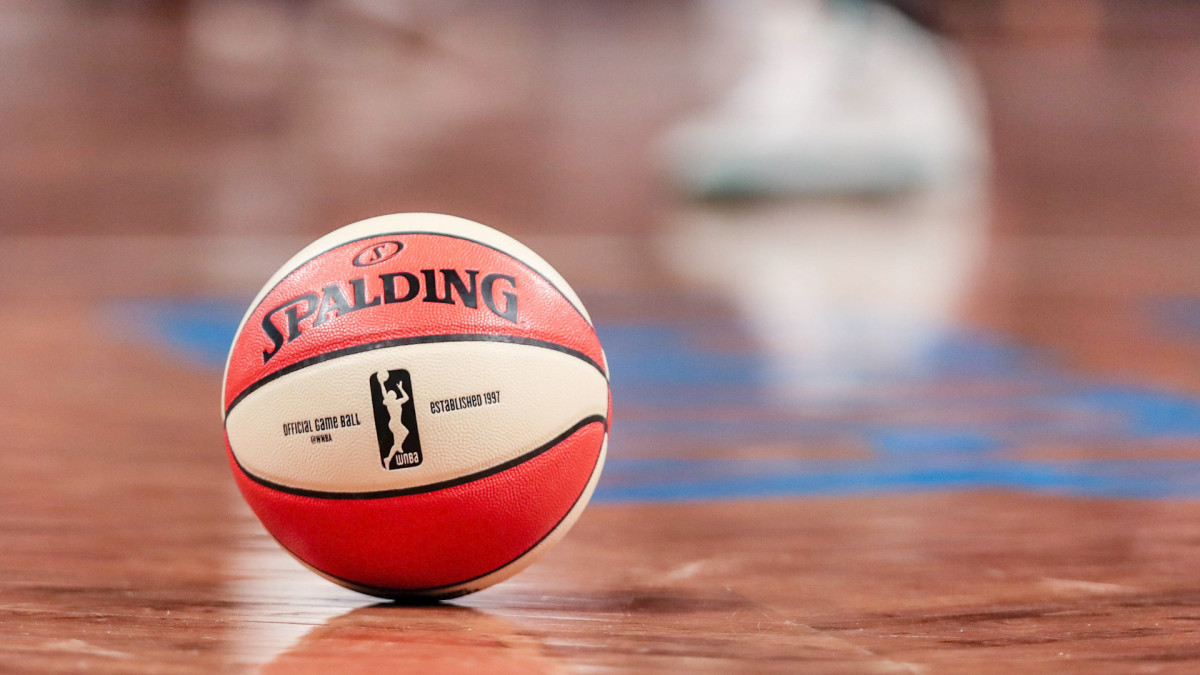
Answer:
[(400, 342), (428, 487), (401, 593)]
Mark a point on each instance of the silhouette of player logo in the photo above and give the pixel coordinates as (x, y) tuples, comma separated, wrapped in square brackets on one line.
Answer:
[(395, 419)]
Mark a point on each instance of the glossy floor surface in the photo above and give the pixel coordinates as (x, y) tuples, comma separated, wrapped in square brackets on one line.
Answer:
[(954, 429)]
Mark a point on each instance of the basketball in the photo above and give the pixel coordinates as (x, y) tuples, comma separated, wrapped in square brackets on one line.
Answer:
[(416, 406)]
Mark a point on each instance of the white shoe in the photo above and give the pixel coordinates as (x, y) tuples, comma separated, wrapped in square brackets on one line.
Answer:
[(839, 98)]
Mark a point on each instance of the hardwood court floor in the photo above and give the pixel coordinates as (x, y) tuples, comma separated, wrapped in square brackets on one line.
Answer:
[(126, 549), (1027, 499)]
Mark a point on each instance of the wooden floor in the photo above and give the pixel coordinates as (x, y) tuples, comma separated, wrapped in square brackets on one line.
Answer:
[(1011, 486)]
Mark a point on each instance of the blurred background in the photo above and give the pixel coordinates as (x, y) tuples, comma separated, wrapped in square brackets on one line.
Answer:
[(886, 167), (922, 249), (807, 228)]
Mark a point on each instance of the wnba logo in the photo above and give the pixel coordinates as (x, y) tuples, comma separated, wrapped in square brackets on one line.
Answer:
[(395, 419)]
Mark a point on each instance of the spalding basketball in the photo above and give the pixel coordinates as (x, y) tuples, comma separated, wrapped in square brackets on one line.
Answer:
[(416, 406)]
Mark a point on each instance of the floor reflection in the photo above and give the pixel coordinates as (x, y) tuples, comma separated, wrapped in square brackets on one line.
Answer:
[(836, 292), (435, 639), (289, 620)]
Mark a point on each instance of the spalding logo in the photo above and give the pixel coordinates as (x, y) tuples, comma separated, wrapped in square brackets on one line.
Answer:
[(377, 253), (285, 322)]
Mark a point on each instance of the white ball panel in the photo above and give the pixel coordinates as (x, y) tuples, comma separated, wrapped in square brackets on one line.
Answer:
[(542, 393)]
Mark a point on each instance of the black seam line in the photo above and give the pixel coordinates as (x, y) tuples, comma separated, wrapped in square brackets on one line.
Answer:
[(440, 234), (432, 592), (415, 340), (430, 487)]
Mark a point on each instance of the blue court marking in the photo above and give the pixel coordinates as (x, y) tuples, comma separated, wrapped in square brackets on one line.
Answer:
[(1176, 316), (955, 418), (632, 481), (200, 331)]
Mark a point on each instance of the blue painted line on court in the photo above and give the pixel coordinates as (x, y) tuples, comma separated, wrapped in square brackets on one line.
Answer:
[(931, 440), (952, 419), (1175, 316), (706, 480), (1117, 479), (198, 330)]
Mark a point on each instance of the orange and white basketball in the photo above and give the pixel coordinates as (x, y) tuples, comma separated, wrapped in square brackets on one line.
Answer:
[(416, 406)]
